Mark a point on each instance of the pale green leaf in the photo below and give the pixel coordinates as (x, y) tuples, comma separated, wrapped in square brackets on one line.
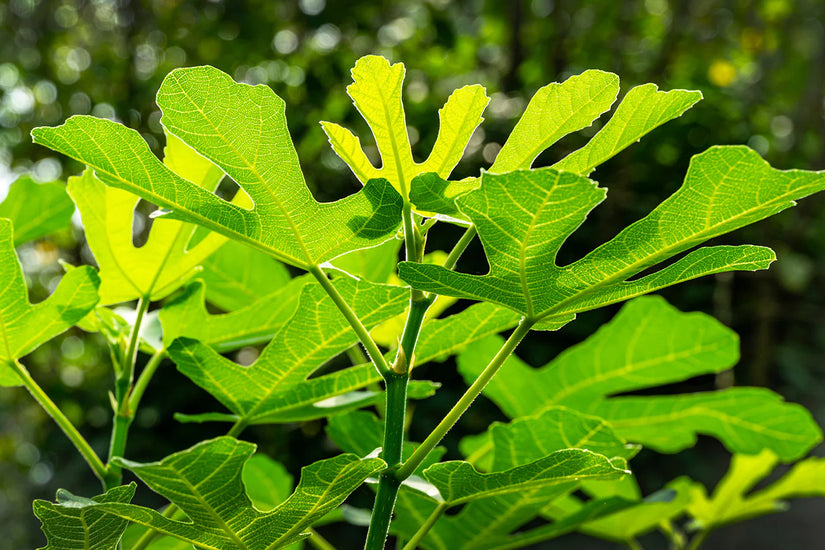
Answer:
[(376, 93), (555, 111), (24, 326), (36, 209), (649, 344), (524, 217), (642, 109), (153, 270), (205, 483), (316, 333), (267, 482), (640, 517), (254, 148), (458, 482), (376, 264), (186, 316), (735, 500), (237, 276)]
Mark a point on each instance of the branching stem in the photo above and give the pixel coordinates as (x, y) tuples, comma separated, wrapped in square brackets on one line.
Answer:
[(466, 400), (363, 334), (425, 527), (123, 386)]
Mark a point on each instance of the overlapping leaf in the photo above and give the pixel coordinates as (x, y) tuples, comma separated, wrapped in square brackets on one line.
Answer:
[(24, 326), (648, 344), (276, 382), (524, 217), (518, 450), (643, 109), (36, 209), (555, 111), (237, 276), (75, 523), (153, 270), (241, 129), (186, 316), (735, 500), (376, 93), (205, 482)]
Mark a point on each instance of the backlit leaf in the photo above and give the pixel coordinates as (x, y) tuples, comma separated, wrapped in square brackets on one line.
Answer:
[(316, 333), (36, 209), (649, 344), (241, 129), (735, 500), (24, 326), (376, 93), (205, 483), (524, 217)]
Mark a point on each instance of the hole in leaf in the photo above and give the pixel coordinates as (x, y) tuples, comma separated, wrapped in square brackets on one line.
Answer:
[(455, 510), (534, 523), (227, 189), (142, 223)]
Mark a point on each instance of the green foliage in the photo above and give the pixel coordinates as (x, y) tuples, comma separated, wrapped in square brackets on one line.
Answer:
[(735, 499), (36, 209), (648, 344), (26, 326), (563, 457)]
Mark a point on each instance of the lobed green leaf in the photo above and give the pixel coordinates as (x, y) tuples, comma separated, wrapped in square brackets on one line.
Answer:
[(24, 326)]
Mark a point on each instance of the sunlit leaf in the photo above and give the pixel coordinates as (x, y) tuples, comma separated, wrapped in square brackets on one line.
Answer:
[(36, 209), (649, 344), (735, 499), (205, 483), (241, 129), (376, 93), (524, 217), (316, 333), (24, 326)]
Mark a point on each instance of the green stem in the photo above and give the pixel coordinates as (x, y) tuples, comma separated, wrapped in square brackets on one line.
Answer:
[(388, 484), (425, 527), (318, 541), (634, 544), (466, 400), (144, 379), (369, 344), (236, 429), (460, 247), (123, 386), (412, 328), (698, 540), (57, 415)]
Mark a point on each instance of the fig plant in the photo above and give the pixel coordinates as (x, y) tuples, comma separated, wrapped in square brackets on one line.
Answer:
[(562, 458)]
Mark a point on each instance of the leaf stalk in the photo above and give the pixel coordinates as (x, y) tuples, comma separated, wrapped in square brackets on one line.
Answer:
[(466, 400), (62, 421)]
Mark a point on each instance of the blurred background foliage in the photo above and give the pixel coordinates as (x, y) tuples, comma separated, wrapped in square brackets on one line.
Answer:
[(759, 63)]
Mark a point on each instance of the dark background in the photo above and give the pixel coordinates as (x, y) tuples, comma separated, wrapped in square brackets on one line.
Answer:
[(760, 65)]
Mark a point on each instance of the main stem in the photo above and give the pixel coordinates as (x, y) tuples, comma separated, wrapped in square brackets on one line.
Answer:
[(396, 380), (388, 484), (466, 400), (123, 386)]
